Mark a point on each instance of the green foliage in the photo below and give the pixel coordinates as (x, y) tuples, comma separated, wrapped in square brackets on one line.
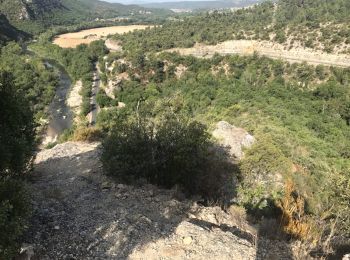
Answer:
[(16, 147), (36, 81), (16, 128), (262, 169), (103, 100), (14, 211), (207, 28), (264, 159), (173, 153)]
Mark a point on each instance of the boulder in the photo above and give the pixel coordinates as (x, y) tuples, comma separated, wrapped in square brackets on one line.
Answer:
[(233, 138)]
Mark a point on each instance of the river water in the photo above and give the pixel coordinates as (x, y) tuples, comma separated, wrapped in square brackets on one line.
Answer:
[(60, 115)]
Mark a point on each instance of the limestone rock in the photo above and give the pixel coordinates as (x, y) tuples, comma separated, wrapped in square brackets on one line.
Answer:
[(234, 138)]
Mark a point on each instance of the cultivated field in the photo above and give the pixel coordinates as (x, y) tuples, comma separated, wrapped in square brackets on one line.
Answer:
[(72, 40)]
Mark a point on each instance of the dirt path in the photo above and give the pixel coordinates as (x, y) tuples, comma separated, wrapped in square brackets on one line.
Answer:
[(80, 214), (269, 49)]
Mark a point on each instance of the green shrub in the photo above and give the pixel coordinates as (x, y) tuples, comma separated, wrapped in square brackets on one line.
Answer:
[(262, 169), (171, 153), (102, 99), (14, 210)]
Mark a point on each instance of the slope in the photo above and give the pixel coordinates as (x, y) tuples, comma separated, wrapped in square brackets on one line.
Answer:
[(7, 31), (80, 214)]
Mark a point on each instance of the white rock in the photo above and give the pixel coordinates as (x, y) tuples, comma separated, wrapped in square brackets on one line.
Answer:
[(234, 138)]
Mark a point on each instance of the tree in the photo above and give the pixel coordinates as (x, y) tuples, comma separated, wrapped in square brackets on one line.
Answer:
[(16, 146), (16, 129)]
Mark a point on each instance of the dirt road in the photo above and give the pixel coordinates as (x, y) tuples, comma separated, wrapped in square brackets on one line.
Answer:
[(269, 49)]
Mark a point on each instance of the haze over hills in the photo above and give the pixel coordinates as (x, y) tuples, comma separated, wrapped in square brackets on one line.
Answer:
[(191, 5), (201, 5)]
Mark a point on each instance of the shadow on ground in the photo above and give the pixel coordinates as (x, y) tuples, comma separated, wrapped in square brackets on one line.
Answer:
[(80, 214)]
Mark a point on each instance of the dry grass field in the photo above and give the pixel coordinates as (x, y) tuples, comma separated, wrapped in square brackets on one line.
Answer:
[(72, 40)]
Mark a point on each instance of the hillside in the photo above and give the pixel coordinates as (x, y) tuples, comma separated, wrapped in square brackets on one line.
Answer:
[(7, 31), (221, 135), (36, 15), (321, 25), (80, 213)]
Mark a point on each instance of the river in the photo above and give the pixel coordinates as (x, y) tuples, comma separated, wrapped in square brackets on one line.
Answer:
[(61, 117)]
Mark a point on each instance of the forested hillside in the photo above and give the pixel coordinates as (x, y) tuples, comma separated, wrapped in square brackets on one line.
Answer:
[(317, 24)]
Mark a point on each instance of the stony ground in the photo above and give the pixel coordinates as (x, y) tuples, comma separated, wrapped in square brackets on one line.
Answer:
[(80, 214)]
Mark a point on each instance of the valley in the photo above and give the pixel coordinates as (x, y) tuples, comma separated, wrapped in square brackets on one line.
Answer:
[(220, 134)]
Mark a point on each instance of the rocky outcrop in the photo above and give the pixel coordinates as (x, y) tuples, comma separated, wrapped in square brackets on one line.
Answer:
[(75, 100), (113, 45), (233, 138), (28, 9)]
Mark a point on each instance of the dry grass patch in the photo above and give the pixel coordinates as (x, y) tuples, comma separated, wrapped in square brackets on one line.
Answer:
[(72, 40)]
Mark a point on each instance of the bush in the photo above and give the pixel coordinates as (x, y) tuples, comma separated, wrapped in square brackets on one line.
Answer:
[(102, 99), (294, 221), (84, 134), (172, 153), (263, 169), (14, 210)]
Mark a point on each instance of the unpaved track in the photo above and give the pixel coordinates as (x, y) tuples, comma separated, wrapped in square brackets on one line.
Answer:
[(80, 214), (269, 49)]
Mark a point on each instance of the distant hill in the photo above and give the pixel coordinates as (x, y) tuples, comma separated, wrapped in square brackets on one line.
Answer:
[(202, 5), (36, 15)]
